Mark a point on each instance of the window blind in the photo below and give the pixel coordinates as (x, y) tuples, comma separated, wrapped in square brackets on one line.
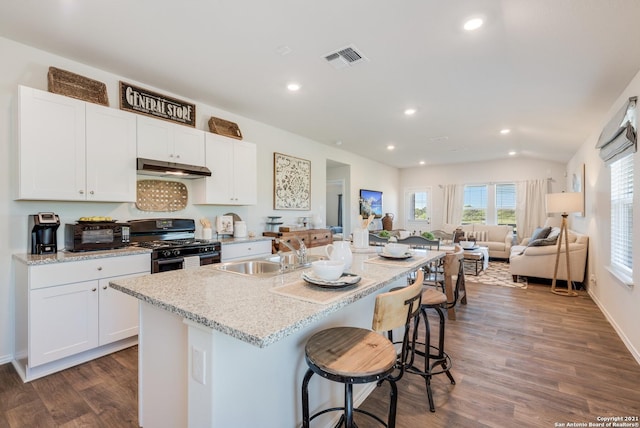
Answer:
[(622, 215), (506, 203), (619, 137)]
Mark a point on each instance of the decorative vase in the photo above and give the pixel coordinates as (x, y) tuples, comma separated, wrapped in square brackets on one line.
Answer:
[(387, 222)]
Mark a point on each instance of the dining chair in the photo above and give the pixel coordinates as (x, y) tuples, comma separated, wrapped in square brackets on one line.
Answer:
[(417, 241), (375, 239)]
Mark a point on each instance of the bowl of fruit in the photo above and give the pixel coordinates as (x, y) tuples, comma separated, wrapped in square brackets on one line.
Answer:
[(96, 219)]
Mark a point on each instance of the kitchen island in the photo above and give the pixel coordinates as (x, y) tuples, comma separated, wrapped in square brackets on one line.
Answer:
[(218, 349)]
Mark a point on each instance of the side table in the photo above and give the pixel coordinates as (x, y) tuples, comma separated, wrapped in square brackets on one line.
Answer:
[(476, 258)]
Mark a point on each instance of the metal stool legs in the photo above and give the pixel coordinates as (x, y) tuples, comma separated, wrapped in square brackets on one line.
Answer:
[(347, 417), (436, 361)]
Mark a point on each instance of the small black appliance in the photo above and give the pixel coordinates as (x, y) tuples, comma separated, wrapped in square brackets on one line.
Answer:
[(43, 227)]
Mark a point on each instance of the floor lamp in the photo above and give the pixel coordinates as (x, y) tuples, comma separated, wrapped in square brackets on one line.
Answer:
[(564, 203)]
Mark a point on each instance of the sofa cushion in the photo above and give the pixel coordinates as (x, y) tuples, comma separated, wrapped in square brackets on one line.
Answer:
[(496, 233)]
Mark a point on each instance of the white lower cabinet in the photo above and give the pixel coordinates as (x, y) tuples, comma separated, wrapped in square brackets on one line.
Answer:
[(66, 313), (63, 321), (118, 313), (245, 250)]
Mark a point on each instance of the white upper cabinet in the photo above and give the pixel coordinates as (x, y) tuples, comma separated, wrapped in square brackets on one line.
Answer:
[(111, 154), (51, 149), (70, 150), (165, 141), (234, 176)]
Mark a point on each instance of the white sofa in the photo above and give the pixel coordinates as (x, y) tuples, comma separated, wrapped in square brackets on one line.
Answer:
[(539, 262), (499, 239)]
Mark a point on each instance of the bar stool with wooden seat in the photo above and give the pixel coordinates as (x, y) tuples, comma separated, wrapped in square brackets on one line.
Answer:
[(435, 359), (352, 355)]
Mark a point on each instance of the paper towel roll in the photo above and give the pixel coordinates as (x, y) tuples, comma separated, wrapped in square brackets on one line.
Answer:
[(240, 229), (191, 262)]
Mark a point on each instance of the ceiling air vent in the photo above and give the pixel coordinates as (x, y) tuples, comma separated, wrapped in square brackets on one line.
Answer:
[(345, 57)]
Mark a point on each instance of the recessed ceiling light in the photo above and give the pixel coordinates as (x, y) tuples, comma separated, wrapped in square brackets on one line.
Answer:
[(391, 147), (410, 111), (512, 153), (422, 162), (293, 86), (505, 131), (473, 24)]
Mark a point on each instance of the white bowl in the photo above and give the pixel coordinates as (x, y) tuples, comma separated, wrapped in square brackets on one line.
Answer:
[(467, 244), (329, 270), (395, 249)]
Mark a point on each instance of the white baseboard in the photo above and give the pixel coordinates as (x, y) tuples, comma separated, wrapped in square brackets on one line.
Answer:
[(6, 359), (634, 352)]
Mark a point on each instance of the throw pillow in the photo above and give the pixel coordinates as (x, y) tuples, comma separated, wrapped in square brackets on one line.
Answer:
[(555, 232), (543, 242), (541, 233), (480, 236)]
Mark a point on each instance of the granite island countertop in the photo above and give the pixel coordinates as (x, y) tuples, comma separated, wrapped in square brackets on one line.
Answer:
[(248, 308)]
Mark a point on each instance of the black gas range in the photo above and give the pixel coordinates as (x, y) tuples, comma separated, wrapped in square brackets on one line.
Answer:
[(173, 243)]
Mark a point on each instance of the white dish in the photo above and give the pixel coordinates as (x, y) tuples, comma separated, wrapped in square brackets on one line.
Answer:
[(472, 248), (345, 280), (391, 256), (328, 270), (467, 245), (395, 249)]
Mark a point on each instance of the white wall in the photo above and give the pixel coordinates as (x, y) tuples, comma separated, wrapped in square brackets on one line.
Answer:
[(27, 66), (620, 303), (499, 171)]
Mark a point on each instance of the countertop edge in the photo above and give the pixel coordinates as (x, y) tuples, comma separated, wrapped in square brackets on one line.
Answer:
[(66, 256)]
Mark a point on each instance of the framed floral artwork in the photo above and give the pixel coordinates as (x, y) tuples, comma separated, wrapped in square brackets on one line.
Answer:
[(291, 183)]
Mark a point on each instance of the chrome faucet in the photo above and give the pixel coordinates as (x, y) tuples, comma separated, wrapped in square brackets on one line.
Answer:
[(301, 252)]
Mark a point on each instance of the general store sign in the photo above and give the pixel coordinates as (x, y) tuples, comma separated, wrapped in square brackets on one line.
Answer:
[(149, 103)]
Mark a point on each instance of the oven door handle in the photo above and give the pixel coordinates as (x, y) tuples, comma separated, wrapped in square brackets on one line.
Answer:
[(170, 261)]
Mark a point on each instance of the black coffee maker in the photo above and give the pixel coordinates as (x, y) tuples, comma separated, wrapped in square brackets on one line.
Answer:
[(43, 228)]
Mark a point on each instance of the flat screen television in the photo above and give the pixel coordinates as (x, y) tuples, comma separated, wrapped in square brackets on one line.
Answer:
[(370, 203)]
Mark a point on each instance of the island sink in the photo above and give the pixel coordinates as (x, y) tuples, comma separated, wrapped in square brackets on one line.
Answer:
[(270, 266), (292, 261), (260, 268)]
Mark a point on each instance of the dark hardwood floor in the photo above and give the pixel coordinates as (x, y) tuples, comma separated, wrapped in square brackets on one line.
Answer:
[(521, 358), (100, 393)]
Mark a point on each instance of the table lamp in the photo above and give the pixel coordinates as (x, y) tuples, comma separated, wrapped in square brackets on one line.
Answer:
[(564, 203)]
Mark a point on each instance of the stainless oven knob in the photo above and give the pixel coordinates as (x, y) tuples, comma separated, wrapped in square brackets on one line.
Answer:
[(166, 253), (176, 252)]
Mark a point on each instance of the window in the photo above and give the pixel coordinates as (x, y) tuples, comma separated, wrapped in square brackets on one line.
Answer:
[(418, 203), (475, 204), (506, 204), (622, 217)]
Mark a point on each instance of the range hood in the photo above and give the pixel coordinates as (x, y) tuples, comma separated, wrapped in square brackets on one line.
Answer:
[(171, 169)]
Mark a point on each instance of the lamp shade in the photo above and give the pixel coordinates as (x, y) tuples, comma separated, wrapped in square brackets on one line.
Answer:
[(566, 202)]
